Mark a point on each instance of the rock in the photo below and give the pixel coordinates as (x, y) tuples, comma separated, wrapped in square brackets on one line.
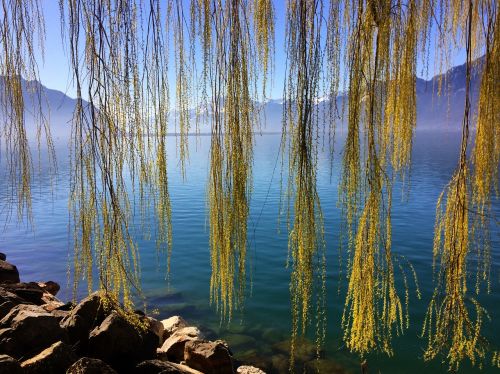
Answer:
[(8, 300), (173, 347), (163, 367), (324, 366), (9, 365), (157, 327), (249, 370), (29, 292), (119, 343), (3, 256), (170, 325), (209, 357), (155, 367), (8, 272), (59, 314), (87, 365), (84, 317), (240, 342), (9, 318), (55, 359), (305, 350), (27, 329), (69, 306), (50, 287)]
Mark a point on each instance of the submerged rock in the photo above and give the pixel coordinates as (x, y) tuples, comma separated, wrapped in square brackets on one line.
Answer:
[(55, 359), (3, 256), (9, 365), (87, 365), (173, 347), (120, 343), (209, 357), (27, 329), (245, 369), (8, 272)]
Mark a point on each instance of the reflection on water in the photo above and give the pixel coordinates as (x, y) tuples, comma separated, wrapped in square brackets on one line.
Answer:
[(260, 334)]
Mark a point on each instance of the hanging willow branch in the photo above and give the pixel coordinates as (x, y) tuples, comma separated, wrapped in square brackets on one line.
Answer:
[(120, 130), (382, 49), (22, 30), (229, 77), (455, 317), (301, 125)]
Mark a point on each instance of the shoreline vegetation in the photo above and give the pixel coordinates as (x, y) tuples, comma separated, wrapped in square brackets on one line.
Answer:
[(41, 334)]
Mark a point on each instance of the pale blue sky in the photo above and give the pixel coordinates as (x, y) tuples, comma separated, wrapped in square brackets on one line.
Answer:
[(55, 72)]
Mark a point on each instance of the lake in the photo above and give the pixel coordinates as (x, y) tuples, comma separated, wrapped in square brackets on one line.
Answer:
[(259, 335)]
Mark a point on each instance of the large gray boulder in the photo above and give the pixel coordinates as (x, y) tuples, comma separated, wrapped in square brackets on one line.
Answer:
[(8, 272), (120, 343), (209, 357), (84, 317), (27, 329), (9, 365), (173, 348), (87, 365), (53, 360)]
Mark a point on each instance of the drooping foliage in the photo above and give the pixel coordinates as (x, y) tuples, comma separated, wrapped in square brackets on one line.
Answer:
[(381, 117), (455, 316), (119, 129), (22, 32), (222, 51), (306, 249)]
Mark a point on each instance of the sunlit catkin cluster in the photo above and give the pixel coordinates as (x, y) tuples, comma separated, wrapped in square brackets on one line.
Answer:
[(229, 76), (22, 31), (455, 317), (300, 136), (382, 47), (119, 130)]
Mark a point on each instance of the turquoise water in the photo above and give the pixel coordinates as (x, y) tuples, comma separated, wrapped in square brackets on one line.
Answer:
[(260, 334)]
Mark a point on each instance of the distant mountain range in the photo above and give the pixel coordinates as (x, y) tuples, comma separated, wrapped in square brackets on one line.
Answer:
[(433, 111)]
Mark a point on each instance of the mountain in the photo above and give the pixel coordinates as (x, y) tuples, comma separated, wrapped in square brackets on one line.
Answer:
[(434, 110)]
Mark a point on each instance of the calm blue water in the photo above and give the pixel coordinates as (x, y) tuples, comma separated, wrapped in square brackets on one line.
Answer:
[(260, 334)]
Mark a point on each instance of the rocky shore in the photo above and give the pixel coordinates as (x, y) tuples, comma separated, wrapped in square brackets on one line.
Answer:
[(41, 334)]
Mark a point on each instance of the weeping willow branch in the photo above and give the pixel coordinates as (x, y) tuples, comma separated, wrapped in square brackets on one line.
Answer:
[(301, 125), (230, 74), (382, 49), (455, 317), (120, 131), (22, 31)]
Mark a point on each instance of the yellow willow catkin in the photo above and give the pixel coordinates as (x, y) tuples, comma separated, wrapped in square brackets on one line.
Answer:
[(264, 35), (301, 124), (382, 49), (182, 84), (229, 72), (454, 317), (121, 128), (486, 153), (22, 30)]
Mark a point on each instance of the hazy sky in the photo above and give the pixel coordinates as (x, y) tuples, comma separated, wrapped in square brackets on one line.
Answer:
[(55, 72)]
